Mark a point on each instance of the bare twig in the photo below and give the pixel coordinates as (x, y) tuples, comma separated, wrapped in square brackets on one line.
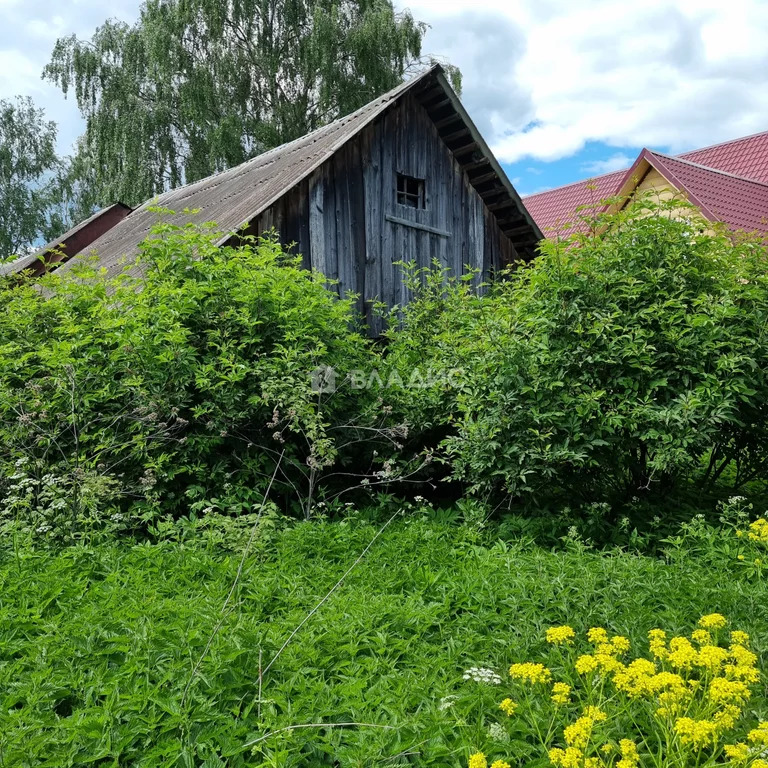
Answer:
[(329, 593), (261, 679), (224, 612), (318, 725)]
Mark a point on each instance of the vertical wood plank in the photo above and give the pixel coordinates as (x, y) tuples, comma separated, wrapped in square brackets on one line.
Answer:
[(317, 221)]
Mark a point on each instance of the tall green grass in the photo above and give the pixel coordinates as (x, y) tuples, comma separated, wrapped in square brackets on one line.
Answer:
[(97, 644)]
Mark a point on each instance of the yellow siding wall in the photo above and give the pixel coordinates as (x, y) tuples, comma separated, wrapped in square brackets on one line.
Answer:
[(654, 182)]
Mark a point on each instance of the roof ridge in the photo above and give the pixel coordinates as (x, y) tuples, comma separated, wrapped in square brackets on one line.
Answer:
[(720, 144), (680, 159), (576, 183)]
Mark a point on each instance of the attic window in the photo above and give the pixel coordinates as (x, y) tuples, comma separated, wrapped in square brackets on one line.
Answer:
[(410, 192)]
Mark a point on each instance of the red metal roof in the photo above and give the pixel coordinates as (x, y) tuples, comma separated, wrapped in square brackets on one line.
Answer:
[(746, 157), (741, 204), (556, 207)]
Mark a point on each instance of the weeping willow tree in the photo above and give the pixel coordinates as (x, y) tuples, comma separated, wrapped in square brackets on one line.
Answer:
[(29, 173), (197, 86)]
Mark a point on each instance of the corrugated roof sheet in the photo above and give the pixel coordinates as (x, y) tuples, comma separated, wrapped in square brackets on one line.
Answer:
[(746, 157), (556, 207), (80, 236), (235, 196), (741, 204)]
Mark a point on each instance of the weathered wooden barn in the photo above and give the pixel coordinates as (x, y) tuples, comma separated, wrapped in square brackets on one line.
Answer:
[(405, 178)]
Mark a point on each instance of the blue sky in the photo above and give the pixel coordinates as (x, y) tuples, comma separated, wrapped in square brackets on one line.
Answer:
[(561, 89), (594, 159)]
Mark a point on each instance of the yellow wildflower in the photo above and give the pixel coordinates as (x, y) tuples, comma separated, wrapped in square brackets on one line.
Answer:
[(738, 672), (577, 734), (508, 707), (682, 654), (701, 636), (620, 643), (477, 761), (585, 664), (566, 758), (696, 733), (500, 764), (713, 621), (628, 748), (712, 657), (530, 671), (759, 735), (606, 749), (726, 718), (605, 649), (629, 756), (597, 635), (595, 713), (671, 703), (742, 656), (592, 762), (560, 635), (723, 691), (758, 531), (556, 756), (664, 681), (740, 557), (759, 764), (561, 693), (608, 663), (657, 643), (739, 638), (737, 753), (744, 667), (634, 679)]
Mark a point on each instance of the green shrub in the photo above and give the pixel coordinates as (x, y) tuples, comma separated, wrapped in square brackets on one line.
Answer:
[(122, 399), (613, 367)]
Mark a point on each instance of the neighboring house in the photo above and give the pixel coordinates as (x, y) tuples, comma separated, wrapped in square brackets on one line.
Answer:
[(727, 182), (406, 178)]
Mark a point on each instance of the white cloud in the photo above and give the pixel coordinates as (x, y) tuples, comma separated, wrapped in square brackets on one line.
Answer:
[(27, 36), (671, 74), (613, 163)]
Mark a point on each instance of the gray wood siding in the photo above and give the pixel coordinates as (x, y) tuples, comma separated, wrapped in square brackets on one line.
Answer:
[(346, 222)]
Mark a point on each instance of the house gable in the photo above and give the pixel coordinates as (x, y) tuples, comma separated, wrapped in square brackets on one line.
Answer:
[(353, 220), (744, 158), (719, 196)]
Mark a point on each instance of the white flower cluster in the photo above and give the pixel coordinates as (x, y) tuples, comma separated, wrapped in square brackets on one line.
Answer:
[(498, 733), (482, 675), (447, 702)]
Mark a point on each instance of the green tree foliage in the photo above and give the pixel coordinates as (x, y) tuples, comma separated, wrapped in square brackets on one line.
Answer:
[(28, 173), (197, 86), (614, 366), (180, 388)]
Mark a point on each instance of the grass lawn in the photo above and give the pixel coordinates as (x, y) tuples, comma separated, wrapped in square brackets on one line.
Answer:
[(97, 644)]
